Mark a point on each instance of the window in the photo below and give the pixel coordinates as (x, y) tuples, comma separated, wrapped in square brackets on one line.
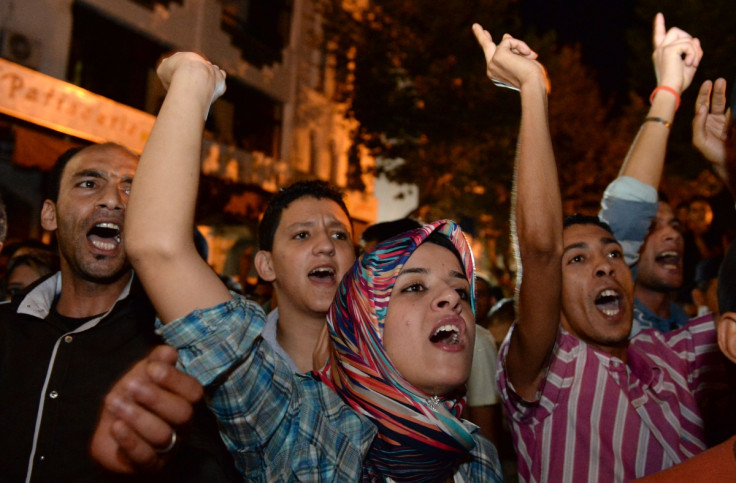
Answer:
[(259, 28)]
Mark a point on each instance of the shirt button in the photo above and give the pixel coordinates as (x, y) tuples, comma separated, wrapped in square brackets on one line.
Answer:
[(42, 458), (53, 394), (68, 339)]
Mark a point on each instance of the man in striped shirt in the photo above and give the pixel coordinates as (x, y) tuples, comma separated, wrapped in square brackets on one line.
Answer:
[(585, 402)]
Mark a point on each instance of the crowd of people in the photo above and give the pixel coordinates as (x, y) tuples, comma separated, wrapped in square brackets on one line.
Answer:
[(125, 357)]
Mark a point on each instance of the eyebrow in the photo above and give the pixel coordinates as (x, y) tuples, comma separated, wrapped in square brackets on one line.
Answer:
[(606, 240), (425, 271), (88, 173), (311, 223)]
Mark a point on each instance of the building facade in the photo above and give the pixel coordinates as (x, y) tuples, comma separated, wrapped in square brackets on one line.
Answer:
[(277, 123)]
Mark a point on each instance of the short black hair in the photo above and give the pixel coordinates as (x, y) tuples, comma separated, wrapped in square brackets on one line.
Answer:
[(379, 232), (580, 219), (727, 281), (57, 171), (705, 271), (3, 221), (272, 216)]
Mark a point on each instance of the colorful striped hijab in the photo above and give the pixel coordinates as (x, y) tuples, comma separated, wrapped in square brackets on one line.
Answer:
[(418, 440)]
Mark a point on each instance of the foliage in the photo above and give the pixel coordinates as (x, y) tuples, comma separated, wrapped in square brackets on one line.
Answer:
[(415, 81)]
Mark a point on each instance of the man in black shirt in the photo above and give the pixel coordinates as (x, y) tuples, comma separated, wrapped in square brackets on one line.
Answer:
[(64, 343)]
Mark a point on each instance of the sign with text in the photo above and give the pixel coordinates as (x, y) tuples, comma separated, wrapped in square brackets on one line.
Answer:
[(55, 104)]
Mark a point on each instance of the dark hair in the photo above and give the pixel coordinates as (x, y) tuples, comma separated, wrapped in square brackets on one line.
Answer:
[(579, 219), (57, 171), (272, 217), (727, 281), (379, 232), (3, 221), (705, 271)]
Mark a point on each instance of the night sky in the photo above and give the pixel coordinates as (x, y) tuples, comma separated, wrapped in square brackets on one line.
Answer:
[(599, 26)]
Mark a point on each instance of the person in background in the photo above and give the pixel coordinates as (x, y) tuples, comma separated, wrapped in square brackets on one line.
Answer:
[(3, 223), (705, 290), (500, 319), (23, 270), (484, 403), (717, 463)]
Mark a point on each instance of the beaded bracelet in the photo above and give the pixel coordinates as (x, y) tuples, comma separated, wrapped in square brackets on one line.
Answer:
[(668, 89), (666, 123)]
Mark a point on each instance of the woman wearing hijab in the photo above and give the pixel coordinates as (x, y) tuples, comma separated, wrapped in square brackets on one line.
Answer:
[(403, 365)]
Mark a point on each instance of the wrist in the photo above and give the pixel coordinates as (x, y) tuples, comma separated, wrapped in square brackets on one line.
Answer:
[(663, 90)]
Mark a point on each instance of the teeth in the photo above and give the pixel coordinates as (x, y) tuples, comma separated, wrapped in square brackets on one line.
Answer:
[(118, 239), (608, 293), (447, 328), (103, 246), (112, 226), (322, 271), (454, 339)]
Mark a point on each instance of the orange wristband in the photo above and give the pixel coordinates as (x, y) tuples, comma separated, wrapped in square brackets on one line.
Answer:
[(668, 89)]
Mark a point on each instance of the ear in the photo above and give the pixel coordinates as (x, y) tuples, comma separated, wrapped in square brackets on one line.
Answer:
[(698, 297), (1, 246), (726, 328), (48, 215), (264, 266)]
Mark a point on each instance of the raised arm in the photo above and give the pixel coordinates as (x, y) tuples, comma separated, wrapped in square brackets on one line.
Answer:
[(160, 217), (712, 131), (537, 212), (676, 57)]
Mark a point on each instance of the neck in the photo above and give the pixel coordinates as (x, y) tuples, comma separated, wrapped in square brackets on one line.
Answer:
[(81, 298), (656, 301), (297, 333), (619, 352)]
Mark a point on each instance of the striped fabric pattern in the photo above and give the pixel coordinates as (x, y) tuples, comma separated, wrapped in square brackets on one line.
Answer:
[(412, 437), (599, 419)]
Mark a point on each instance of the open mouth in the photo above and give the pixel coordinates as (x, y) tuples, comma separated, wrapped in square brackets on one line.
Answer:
[(322, 274), (609, 302), (105, 236), (446, 335), (669, 259)]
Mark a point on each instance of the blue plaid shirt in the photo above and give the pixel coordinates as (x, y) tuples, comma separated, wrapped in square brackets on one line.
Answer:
[(280, 426)]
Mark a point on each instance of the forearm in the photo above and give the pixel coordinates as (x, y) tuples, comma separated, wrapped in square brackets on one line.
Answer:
[(159, 223), (645, 159), (538, 223), (163, 198)]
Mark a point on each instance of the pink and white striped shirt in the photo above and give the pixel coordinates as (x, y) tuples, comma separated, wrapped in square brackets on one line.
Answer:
[(599, 419)]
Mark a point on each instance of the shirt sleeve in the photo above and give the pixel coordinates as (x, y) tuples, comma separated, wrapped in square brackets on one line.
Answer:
[(248, 387), (628, 206), (697, 344)]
